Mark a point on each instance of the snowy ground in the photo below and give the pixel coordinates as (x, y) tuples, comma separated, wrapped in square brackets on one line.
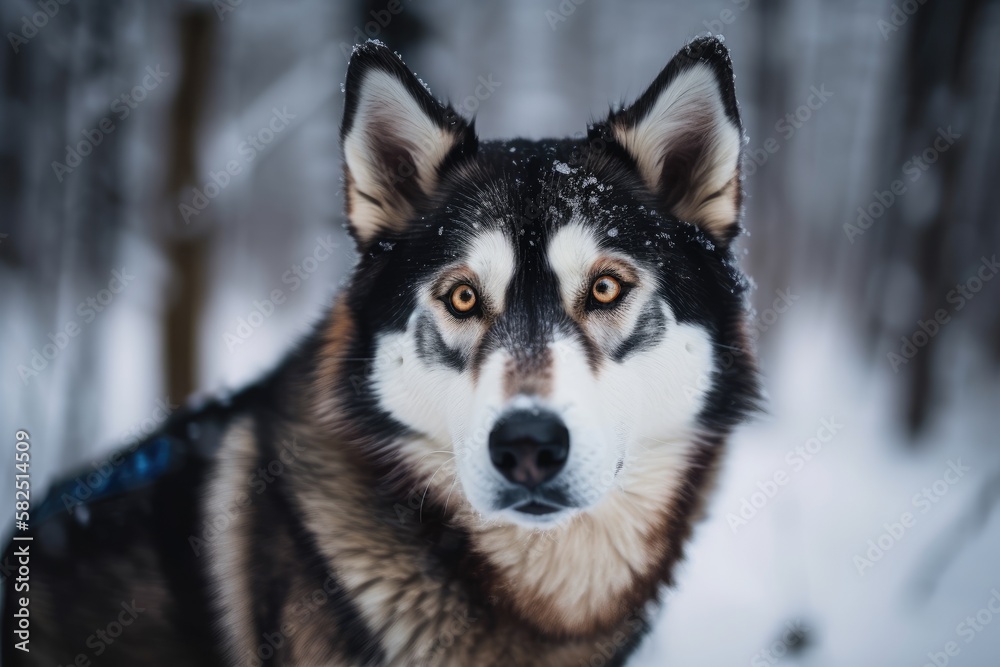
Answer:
[(793, 563)]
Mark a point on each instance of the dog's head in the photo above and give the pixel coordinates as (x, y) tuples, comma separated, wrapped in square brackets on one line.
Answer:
[(543, 325)]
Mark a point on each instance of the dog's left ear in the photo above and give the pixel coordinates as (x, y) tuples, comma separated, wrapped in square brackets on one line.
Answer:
[(685, 136), (397, 140)]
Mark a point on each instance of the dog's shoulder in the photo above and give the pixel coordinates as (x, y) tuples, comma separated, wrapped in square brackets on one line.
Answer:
[(113, 552)]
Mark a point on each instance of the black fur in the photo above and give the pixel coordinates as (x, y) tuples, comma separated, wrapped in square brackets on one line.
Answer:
[(513, 186), (699, 276)]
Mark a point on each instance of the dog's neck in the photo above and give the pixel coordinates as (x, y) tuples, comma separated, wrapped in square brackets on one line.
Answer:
[(586, 573), (581, 577)]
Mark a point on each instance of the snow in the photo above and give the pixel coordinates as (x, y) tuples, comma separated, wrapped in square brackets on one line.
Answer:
[(794, 561), (738, 591)]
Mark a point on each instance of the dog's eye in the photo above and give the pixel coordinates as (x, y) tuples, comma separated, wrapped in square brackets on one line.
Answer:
[(605, 290), (463, 300)]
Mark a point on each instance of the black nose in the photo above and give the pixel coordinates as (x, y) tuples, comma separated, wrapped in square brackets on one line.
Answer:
[(529, 447)]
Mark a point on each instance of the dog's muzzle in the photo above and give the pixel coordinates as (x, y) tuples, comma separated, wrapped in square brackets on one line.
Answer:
[(530, 448)]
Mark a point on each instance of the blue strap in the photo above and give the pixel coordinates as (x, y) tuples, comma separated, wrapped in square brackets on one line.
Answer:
[(151, 460)]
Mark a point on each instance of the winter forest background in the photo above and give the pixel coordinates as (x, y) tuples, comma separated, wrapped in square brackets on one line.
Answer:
[(873, 131)]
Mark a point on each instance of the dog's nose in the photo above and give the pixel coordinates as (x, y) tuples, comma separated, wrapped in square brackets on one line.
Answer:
[(529, 447)]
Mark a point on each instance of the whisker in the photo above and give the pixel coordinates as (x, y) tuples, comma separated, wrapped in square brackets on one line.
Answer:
[(437, 451), (448, 499), (420, 515)]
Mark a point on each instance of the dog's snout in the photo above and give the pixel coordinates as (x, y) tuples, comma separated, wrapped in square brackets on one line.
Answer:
[(529, 448)]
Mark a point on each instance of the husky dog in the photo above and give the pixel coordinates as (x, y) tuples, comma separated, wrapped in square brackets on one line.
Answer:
[(490, 452)]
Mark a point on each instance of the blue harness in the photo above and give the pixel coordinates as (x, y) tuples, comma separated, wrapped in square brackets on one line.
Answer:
[(139, 468)]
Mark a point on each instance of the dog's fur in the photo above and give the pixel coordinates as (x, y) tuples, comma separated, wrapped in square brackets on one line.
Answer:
[(345, 511)]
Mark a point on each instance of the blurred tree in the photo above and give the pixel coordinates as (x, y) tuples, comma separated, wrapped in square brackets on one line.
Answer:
[(186, 250), (939, 92)]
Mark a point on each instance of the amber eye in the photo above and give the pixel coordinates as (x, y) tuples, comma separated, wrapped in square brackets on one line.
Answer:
[(463, 300), (606, 290)]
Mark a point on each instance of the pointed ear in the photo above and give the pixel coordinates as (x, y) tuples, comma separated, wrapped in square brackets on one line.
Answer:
[(397, 142), (685, 136)]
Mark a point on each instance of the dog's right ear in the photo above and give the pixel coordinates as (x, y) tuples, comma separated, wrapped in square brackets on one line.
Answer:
[(686, 137), (397, 141)]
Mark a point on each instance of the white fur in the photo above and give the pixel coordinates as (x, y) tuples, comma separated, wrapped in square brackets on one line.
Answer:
[(436, 400), (572, 253), (639, 415), (575, 255), (641, 412), (691, 103), (228, 548), (491, 257), (646, 403)]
